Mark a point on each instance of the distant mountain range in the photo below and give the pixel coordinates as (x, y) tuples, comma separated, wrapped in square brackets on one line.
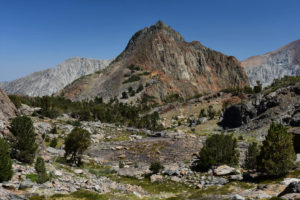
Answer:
[(50, 81), (159, 59), (276, 64)]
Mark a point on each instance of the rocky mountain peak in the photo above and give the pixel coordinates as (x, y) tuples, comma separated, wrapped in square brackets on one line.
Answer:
[(158, 58)]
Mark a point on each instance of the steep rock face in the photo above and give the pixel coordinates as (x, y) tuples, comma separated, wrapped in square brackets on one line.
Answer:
[(50, 81), (7, 108), (169, 66), (277, 64)]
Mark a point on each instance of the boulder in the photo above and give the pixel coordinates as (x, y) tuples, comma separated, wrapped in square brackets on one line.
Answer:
[(26, 184), (237, 197), (59, 152), (287, 181), (8, 195), (224, 170), (78, 171), (58, 173), (293, 187), (156, 178)]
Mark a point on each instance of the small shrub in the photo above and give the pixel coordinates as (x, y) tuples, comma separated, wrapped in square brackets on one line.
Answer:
[(54, 130), (40, 168), (156, 167), (121, 164), (140, 88), (132, 78), (258, 87), (202, 113), (5, 162), (211, 112), (53, 143), (124, 95)]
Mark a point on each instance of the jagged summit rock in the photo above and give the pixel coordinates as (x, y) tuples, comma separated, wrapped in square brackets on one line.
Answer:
[(50, 81), (165, 64), (277, 64)]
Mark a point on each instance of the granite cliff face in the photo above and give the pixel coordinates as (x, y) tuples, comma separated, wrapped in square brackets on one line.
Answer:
[(50, 81), (7, 108), (158, 58), (284, 61)]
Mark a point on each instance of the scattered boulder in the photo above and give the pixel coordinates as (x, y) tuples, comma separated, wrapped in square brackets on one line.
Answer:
[(293, 187), (237, 197), (78, 171), (224, 170), (26, 184), (156, 178), (58, 173)]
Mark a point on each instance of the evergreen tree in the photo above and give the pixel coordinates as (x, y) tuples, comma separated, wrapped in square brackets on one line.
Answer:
[(218, 149), (24, 146), (41, 170), (202, 113), (251, 156), (76, 143), (277, 155), (5, 162), (258, 87)]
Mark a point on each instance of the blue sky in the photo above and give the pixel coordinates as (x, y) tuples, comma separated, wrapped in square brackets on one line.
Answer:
[(39, 34)]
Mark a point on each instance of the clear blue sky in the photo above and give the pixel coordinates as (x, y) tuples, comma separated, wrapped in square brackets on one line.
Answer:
[(39, 34)]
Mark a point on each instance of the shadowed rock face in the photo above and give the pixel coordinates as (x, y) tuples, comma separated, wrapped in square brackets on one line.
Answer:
[(173, 65), (277, 64), (50, 81), (7, 108)]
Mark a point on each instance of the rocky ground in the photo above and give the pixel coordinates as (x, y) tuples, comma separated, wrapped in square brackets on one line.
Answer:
[(116, 166)]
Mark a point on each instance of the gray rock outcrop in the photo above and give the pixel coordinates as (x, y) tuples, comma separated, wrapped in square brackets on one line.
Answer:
[(7, 108), (50, 81)]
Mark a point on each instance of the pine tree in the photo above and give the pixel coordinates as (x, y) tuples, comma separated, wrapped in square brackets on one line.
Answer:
[(24, 146), (251, 156), (277, 155), (41, 170), (5, 162), (218, 149), (76, 143)]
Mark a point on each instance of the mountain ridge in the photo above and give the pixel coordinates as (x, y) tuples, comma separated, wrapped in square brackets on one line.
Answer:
[(50, 81), (276, 64)]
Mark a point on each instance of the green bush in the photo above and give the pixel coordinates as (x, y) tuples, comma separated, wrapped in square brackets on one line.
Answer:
[(5, 162), (132, 78), (53, 143), (24, 146), (124, 95), (40, 168), (277, 155), (156, 167), (218, 149), (202, 113), (140, 88), (16, 100), (76, 143), (54, 130), (258, 87), (211, 112), (251, 156)]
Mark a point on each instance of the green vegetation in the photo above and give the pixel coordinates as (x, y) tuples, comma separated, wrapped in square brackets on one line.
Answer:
[(258, 87), (218, 149), (238, 91), (16, 100), (124, 95), (76, 143), (282, 82), (42, 175), (211, 112), (32, 177), (172, 98), (24, 146), (54, 130), (53, 143), (156, 167), (111, 112), (202, 113), (251, 156), (131, 91), (5, 162), (132, 78), (277, 155), (140, 88)]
